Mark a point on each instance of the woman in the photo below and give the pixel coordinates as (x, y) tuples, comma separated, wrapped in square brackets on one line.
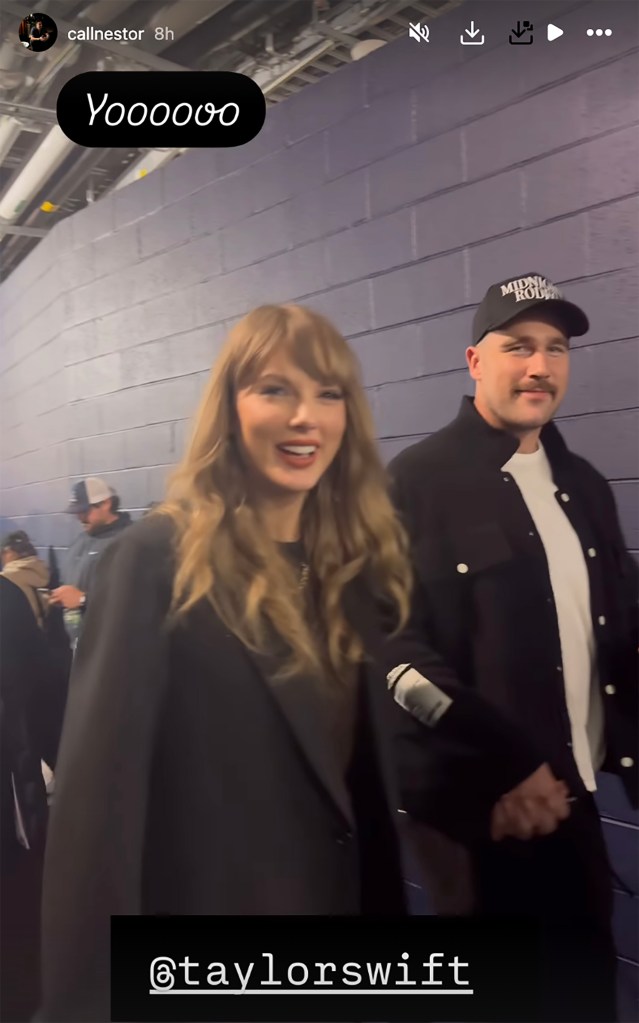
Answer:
[(225, 747)]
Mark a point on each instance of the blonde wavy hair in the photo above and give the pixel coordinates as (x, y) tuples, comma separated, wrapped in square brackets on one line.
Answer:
[(348, 527)]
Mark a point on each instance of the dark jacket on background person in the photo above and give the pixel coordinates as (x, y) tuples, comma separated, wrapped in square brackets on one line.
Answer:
[(23, 802), (22, 683), (485, 603), (85, 552)]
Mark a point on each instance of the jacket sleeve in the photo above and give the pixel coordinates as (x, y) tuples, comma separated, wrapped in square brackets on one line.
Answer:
[(471, 745), (93, 865)]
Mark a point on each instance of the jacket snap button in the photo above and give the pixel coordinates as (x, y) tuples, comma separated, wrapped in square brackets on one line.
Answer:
[(611, 690), (627, 762), (592, 552), (462, 568), (565, 498), (602, 619)]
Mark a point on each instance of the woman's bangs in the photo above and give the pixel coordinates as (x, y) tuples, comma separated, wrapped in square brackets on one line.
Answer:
[(309, 341), (321, 353)]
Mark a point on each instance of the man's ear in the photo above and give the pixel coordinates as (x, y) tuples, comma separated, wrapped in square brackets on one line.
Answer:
[(473, 360)]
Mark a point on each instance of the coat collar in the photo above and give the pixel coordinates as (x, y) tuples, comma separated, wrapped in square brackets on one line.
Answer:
[(476, 440)]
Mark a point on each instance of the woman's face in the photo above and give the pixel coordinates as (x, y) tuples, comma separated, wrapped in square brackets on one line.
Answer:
[(291, 426)]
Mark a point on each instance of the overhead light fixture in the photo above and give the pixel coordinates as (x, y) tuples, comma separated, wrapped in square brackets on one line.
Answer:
[(146, 163), (366, 46)]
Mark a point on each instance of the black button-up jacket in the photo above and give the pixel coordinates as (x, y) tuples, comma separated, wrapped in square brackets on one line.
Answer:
[(484, 601)]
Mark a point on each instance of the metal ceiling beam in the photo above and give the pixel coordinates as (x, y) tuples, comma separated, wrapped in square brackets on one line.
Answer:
[(25, 110), (25, 232), (125, 52), (323, 29)]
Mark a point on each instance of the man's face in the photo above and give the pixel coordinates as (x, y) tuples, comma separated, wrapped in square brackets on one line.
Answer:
[(521, 372), (95, 516)]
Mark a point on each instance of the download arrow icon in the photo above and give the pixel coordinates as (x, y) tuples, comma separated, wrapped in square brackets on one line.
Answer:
[(472, 32)]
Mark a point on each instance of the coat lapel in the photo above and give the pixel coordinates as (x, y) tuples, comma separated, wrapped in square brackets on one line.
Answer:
[(304, 710), (365, 617)]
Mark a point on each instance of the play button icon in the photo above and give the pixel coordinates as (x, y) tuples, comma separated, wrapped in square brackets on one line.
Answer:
[(554, 33)]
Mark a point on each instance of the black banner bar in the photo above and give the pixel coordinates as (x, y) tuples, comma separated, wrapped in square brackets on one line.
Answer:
[(310, 969)]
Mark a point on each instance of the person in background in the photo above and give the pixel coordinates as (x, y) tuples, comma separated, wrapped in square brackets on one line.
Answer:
[(21, 564), (96, 506), (526, 595), (23, 801)]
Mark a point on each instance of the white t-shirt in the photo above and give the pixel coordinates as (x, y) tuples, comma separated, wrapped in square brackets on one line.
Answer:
[(571, 589)]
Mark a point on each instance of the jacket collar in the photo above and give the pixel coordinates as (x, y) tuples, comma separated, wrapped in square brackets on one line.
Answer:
[(480, 441)]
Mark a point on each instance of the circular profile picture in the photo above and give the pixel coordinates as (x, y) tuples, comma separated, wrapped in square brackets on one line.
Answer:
[(38, 32)]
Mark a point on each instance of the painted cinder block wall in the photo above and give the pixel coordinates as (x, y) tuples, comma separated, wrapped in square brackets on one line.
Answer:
[(387, 196)]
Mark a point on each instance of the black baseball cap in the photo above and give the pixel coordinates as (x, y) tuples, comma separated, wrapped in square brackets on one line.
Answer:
[(19, 543), (516, 295)]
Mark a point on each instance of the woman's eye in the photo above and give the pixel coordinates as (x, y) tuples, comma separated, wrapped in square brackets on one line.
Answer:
[(272, 389), (334, 395)]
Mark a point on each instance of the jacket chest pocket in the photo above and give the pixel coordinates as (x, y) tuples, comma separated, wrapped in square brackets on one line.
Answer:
[(467, 552)]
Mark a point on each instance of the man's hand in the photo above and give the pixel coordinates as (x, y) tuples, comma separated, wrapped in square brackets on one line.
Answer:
[(67, 596), (534, 807)]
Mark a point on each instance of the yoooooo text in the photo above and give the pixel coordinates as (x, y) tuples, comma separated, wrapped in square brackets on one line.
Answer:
[(160, 113)]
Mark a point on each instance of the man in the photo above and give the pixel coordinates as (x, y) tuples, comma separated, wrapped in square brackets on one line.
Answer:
[(40, 36), (526, 594), (95, 504)]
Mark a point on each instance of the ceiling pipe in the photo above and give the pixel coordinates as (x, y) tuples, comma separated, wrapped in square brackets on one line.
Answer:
[(47, 158), (9, 131)]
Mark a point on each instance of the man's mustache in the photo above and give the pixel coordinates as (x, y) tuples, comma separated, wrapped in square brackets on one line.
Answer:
[(538, 385)]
